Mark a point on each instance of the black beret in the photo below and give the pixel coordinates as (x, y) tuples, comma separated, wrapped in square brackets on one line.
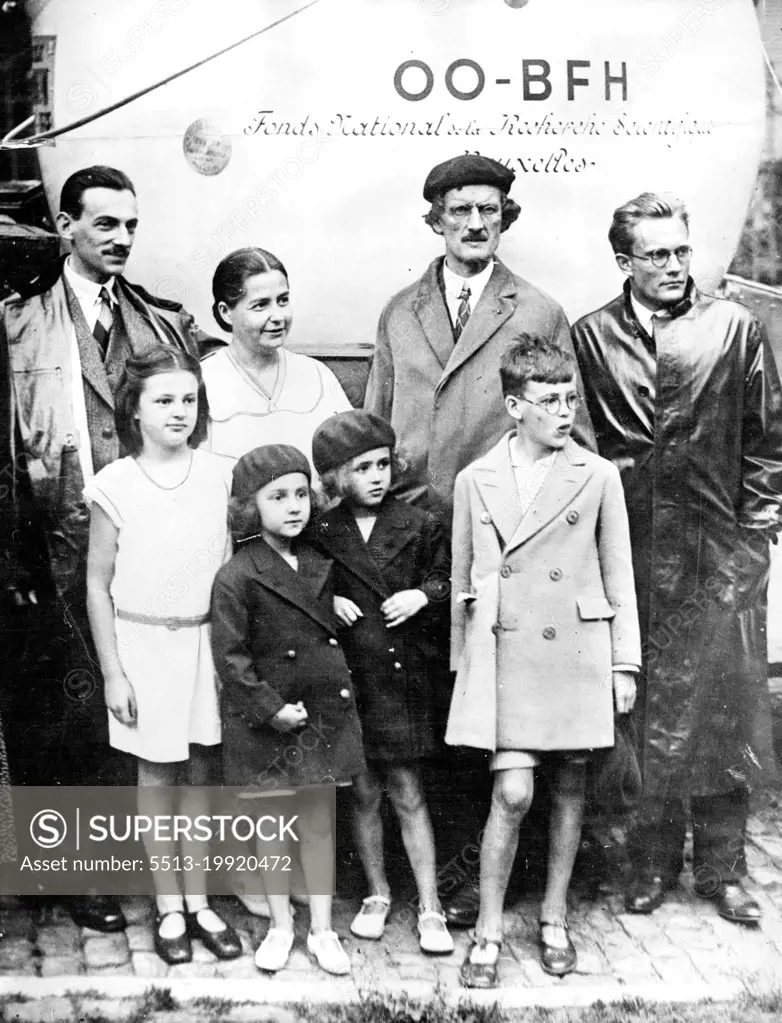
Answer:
[(347, 435), (264, 464), (467, 170)]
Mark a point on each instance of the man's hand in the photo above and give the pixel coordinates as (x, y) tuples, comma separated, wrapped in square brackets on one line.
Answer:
[(120, 699), (289, 718), (347, 612), (624, 691), (403, 605)]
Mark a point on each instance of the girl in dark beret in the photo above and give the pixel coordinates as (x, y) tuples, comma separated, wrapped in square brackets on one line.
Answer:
[(290, 727), (391, 579)]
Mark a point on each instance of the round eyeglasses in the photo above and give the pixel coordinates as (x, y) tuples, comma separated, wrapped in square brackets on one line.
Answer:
[(552, 403), (661, 257)]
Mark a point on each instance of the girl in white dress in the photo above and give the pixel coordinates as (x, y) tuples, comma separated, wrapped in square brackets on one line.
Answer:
[(158, 535)]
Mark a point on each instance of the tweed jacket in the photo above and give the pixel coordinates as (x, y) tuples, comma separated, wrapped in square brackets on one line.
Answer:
[(443, 399), (543, 604)]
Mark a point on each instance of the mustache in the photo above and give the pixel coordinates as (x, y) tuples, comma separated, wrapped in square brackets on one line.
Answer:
[(475, 236)]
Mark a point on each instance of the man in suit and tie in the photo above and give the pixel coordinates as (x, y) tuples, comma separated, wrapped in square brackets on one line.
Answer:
[(68, 339), (435, 378), (434, 373)]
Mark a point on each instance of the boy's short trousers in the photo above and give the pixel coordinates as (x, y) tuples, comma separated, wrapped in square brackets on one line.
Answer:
[(506, 759)]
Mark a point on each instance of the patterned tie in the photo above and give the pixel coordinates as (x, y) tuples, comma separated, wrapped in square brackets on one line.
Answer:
[(104, 323), (462, 313)]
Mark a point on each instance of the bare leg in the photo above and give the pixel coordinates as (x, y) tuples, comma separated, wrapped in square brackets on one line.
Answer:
[(155, 798), (406, 793), (194, 801), (368, 832), (510, 801), (276, 881), (316, 849), (567, 810)]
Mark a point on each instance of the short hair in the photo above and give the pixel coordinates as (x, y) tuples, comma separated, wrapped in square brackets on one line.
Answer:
[(531, 357), (139, 368), (647, 204), (99, 176), (232, 273), (510, 211)]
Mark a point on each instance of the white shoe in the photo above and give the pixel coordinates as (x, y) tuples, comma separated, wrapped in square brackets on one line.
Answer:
[(272, 953), (370, 921), (328, 950), (433, 934)]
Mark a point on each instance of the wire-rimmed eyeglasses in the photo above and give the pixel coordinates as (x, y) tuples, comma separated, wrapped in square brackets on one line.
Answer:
[(552, 403), (661, 257)]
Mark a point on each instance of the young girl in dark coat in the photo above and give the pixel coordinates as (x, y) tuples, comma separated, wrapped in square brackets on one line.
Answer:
[(288, 709), (391, 580)]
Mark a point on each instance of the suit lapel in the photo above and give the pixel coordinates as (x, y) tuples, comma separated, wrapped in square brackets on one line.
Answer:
[(495, 307), (92, 368), (340, 536), (567, 477), (432, 313), (496, 486), (392, 532), (302, 588)]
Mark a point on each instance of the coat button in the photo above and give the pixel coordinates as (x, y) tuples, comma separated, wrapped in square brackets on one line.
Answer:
[(572, 517), (397, 666), (333, 642), (555, 574), (549, 632), (291, 653), (496, 628), (392, 649), (485, 518), (107, 432), (506, 571), (345, 694)]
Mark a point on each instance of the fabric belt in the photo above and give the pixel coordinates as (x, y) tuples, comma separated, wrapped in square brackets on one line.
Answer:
[(169, 622)]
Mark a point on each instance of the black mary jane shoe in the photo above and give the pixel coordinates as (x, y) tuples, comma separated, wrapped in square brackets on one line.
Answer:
[(224, 944), (173, 951), (555, 960), (480, 975)]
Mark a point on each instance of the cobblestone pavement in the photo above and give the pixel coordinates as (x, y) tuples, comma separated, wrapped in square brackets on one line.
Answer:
[(683, 950)]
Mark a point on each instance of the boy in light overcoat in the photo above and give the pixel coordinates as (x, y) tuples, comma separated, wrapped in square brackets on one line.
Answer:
[(545, 637)]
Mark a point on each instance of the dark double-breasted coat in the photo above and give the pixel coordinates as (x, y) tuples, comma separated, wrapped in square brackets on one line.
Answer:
[(274, 641), (692, 417), (401, 674)]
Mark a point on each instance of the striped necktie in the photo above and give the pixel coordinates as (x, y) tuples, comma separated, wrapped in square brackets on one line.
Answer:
[(462, 313), (104, 322)]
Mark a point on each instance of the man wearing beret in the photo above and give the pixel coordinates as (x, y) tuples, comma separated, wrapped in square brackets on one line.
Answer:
[(435, 378), (434, 373)]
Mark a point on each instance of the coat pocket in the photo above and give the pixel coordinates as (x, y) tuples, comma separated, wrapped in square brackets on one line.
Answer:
[(591, 609)]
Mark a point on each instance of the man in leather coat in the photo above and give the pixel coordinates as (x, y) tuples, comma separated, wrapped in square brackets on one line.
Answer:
[(685, 399), (66, 340)]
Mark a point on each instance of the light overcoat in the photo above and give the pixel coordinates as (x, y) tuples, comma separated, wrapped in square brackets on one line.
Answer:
[(554, 604)]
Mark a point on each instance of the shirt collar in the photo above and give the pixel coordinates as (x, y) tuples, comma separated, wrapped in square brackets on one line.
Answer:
[(541, 463), (643, 313), (85, 290), (454, 282)]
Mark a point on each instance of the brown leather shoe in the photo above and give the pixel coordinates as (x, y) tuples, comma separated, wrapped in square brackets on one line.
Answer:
[(480, 966), (462, 910), (734, 903), (554, 959), (647, 894)]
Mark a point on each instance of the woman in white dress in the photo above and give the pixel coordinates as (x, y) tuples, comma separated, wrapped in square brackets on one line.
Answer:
[(258, 391)]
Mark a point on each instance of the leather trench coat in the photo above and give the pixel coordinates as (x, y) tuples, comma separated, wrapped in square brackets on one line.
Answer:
[(693, 420)]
